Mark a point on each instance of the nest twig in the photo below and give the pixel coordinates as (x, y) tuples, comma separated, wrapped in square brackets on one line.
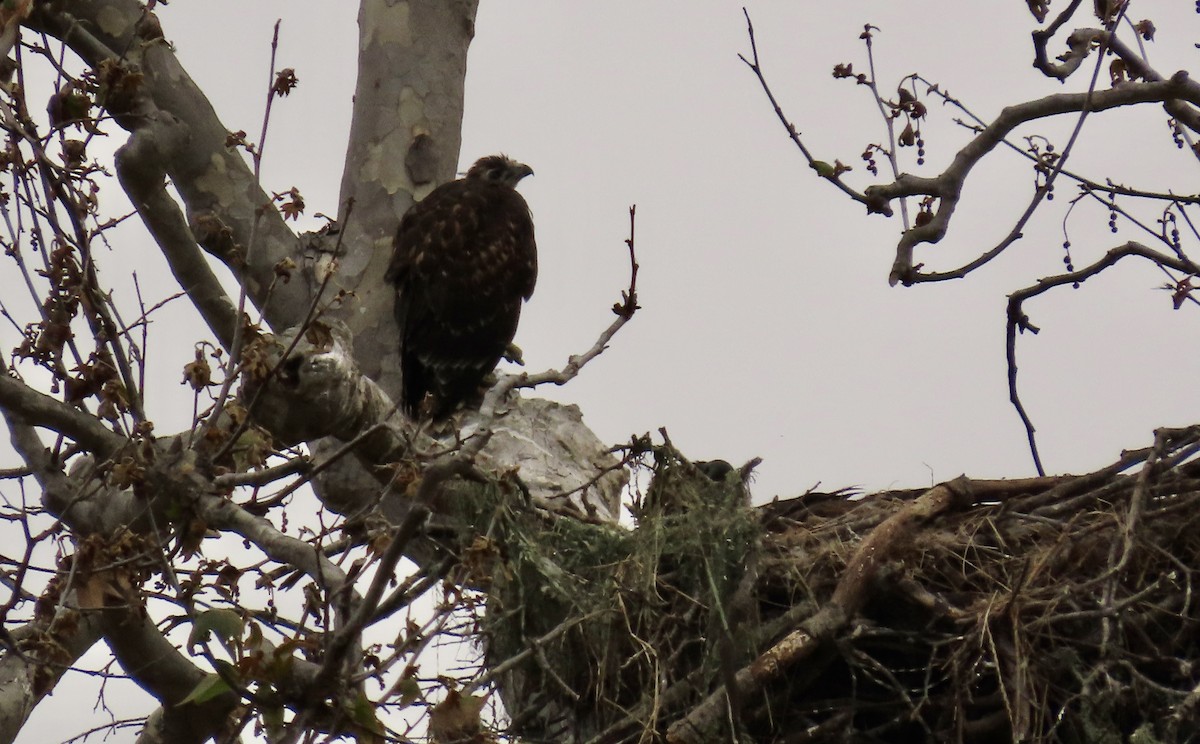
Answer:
[(1055, 609)]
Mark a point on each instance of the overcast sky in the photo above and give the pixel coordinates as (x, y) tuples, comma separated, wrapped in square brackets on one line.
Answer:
[(768, 327)]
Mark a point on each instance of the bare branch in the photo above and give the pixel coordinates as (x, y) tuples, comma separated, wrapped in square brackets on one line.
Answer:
[(873, 205), (31, 407), (215, 183), (490, 410), (624, 311), (141, 169), (1176, 93), (44, 652), (223, 514), (265, 476), (160, 669), (977, 125), (1018, 321), (1041, 39), (947, 187)]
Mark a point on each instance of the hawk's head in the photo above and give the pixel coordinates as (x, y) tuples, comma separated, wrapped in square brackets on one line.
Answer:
[(499, 169)]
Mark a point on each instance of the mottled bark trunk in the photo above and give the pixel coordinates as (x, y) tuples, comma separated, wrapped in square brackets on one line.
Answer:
[(404, 141)]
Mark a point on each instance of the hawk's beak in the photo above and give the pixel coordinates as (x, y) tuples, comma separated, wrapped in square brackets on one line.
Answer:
[(524, 170)]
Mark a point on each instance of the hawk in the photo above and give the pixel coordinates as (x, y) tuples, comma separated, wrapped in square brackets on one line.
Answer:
[(463, 261)]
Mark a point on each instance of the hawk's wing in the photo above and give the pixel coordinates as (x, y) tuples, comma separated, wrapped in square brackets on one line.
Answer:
[(463, 262)]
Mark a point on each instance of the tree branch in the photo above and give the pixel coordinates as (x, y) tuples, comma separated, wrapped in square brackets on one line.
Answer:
[(873, 206), (1018, 321), (140, 168), (849, 596), (31, 407), (405, 135), (161, 670), (44, 653), (947, 187), (215, 183)]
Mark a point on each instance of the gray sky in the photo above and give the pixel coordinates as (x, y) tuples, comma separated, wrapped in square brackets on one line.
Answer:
[(768, 327)]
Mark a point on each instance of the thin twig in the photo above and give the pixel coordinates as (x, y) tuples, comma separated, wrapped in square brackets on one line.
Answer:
[(239, 331), (756, 67)]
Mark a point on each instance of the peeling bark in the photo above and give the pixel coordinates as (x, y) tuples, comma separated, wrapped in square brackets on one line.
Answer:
[(46, 653), (404, 141)]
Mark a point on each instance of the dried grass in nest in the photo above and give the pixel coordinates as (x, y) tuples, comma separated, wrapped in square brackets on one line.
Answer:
[(619, 615), (1053, 609)]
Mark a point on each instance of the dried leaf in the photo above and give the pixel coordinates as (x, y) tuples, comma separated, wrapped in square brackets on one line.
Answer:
[(126, 472), (292, 205), (74, 153), (251, 449), (197, 373), (236, 139), (285, 82), (1183, 290), (284, 268), (456, 719), (1117, 71), (69, 106)]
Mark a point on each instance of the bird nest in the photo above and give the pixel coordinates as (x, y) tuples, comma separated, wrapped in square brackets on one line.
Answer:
[(1043, 609)]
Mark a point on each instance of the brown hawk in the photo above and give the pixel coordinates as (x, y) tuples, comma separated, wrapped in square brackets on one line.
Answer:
[(463, 261)]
